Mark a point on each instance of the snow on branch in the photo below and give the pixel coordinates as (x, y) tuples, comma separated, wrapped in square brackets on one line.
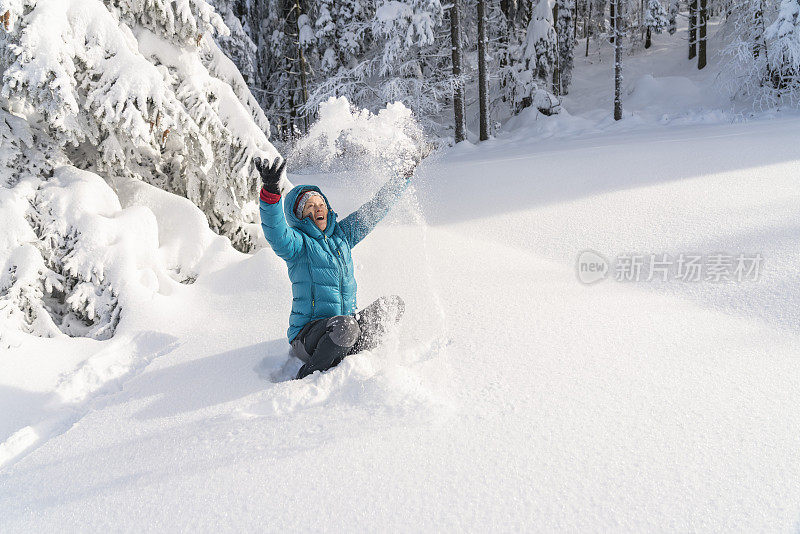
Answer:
[(136, 89)]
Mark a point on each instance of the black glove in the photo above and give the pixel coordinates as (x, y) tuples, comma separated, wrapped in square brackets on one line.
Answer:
[(270, 175)]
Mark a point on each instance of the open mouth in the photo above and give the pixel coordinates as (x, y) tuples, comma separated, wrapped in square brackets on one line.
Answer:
[(320, 217)]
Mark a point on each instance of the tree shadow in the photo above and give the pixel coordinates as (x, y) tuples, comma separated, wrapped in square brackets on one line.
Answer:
[(773, 297), (216, 379), (506, 177), (20, 408)]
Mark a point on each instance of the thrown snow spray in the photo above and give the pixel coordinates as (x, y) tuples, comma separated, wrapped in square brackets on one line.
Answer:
[(353, 153), (422, 224)]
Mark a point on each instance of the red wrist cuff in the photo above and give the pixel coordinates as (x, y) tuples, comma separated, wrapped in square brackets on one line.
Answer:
[(269, 198)]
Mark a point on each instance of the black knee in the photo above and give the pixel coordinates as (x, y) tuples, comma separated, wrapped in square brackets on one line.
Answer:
[(343, 330)]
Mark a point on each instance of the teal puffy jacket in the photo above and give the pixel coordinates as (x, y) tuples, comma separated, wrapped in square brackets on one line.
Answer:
[(320, 265)]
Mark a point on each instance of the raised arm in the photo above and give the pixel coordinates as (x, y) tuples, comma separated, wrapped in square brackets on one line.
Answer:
[(285, 241), (358, 224)]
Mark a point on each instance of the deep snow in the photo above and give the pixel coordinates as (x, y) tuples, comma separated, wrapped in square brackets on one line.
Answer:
[(512, 397)]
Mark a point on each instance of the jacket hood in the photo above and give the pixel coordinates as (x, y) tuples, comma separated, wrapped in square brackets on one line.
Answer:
[(306, 225)]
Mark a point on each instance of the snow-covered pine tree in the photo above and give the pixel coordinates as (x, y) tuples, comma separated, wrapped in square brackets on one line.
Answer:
[(656, 20), (674, 9), (510, 30), (750, 66), (59, 256), (132, 91), (275, 52), (137, 89), (404, 62), (565, 38), (259, 15), (528, 78), (540, 44), (407, 32), (783, 38), (238, 44), (25, 278), (304, 41), (342, 32)]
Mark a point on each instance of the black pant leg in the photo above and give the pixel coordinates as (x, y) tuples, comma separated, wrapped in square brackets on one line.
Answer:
[(339, 336), (374, 320)]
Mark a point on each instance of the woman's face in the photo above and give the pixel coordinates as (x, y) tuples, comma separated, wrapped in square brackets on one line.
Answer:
[(317, 209)]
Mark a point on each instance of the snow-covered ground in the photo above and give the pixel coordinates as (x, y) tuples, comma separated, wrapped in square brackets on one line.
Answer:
[(512, 397)]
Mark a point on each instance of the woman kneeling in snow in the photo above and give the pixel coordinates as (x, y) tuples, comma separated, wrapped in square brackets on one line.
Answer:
[(324, 325)]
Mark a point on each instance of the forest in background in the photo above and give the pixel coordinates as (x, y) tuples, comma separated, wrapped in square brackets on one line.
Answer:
[(479, 61)]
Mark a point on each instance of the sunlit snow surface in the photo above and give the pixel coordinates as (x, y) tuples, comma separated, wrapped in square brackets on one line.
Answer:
[(512, 397)]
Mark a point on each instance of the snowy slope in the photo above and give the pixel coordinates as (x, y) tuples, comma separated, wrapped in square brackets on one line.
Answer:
[(513, 396), (527, 399)]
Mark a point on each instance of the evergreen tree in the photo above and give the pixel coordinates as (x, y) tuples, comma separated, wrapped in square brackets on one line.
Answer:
[(25, 277), (404, 61), (749, 69), (528, 78), (237, 44), (783, 36), (656, 20), (541, 42), (138, 89), (674, 9), (342, 31)]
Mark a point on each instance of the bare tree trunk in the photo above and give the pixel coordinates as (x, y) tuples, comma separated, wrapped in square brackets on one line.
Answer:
[(295, 13), (588, 23), (617, 63), (483, 80), (692, 28), (611, 8), (303, 85), (758, 23), (575, 20), (557, 67), (641, 18), (647, 39), (701, 57), (509, 9), (458, 90)]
